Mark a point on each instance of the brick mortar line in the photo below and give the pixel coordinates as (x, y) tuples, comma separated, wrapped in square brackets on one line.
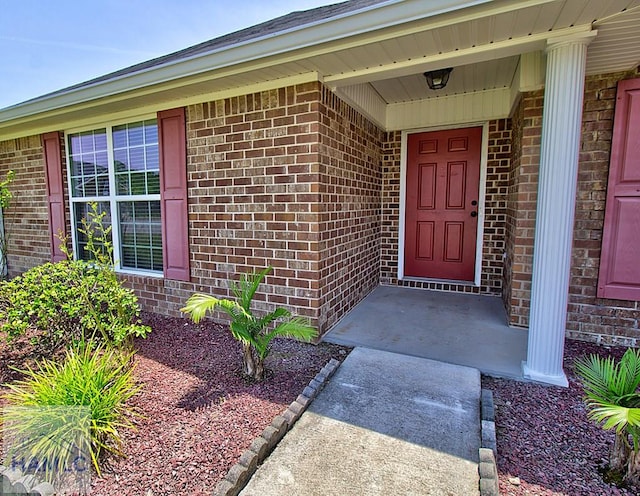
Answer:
[(240, 474)]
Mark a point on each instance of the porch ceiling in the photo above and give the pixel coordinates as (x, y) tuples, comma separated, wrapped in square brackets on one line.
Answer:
[(484, 52)]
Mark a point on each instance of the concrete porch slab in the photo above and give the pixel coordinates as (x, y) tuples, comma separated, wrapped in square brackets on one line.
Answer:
[(456, 328)]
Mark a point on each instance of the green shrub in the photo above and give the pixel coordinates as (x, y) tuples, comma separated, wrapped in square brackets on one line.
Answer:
[(74, 299), (70, 300), (98, 379)]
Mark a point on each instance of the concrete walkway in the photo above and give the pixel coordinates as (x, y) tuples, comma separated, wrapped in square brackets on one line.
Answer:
[(462, 329), (385, 424)]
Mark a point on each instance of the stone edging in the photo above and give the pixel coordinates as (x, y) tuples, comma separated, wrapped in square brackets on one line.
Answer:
[(488, 448), (239, 475), (14, 481)]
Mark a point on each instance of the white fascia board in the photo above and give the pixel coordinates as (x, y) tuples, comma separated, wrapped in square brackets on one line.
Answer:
[(87, 114), (372, 18)]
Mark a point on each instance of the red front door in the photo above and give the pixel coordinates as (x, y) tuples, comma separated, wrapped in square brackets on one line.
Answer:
[(443, 177)]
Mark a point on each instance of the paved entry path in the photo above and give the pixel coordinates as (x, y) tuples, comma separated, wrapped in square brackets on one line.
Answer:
[(385, 424)]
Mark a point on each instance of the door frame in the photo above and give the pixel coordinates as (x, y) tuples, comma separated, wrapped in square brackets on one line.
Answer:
[(481, 198)]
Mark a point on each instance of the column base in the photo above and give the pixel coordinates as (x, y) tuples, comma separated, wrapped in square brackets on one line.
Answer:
[(533, 375)]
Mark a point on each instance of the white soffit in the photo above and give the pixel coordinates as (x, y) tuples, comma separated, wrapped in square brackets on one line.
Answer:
[(470, 78), (617, 46)]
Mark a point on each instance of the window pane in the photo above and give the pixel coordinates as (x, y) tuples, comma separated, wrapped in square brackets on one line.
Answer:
[(150, 132), (141, 211), (140, 235), (157, 259), (120, 137), (88, 157), (90, 188), (154, 209), (122, 184), (100, 141), (138, 186), (136, 159), (81, 211), (136, 151), (77, 187), (120, 159), (128, 256), (153, 161), (153, 183), (86, 142), (136, 134)]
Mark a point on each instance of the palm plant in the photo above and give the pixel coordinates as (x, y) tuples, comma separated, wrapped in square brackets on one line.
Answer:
[(612, 397), (254, 332)]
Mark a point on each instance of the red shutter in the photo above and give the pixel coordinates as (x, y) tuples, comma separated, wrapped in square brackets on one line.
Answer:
[(173, 193), (55, 192), (619, 276)]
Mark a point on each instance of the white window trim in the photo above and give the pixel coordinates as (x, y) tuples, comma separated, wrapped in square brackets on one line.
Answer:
[(112, 198)]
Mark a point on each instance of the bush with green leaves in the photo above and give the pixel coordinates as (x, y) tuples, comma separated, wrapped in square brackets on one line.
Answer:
[(74, 299), (255, 332), (85, 396), (613, 399), (68, 301)]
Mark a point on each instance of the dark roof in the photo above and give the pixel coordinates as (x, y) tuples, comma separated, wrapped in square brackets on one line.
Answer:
[(293, 20)]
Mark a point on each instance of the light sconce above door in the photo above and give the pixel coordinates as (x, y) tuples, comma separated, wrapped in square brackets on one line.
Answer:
[(438, 79)]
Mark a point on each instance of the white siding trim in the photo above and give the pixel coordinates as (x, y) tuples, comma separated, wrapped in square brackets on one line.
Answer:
[(450, 111), (367, 100)]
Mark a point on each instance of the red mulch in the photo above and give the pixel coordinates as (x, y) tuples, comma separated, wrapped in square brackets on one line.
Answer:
[(546, 444), (199, 413)]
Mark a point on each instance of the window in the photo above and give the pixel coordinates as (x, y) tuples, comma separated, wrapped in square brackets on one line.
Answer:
[(118, 167)]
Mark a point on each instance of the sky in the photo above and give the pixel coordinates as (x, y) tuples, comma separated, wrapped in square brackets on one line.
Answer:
[(48, 45)]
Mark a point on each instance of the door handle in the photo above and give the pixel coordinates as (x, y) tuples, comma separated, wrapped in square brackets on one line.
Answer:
[(474, 203), (474, 214)]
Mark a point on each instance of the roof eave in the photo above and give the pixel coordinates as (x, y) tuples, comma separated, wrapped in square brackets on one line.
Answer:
[(371, 18)]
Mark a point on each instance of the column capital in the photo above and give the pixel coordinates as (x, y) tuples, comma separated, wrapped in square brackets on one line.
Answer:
[(583, 38)]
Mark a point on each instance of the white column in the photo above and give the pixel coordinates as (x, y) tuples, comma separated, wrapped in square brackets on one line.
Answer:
[(559, 148)]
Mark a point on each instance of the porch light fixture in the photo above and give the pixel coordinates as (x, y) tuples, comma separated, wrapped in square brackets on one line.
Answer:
[(438, 79)]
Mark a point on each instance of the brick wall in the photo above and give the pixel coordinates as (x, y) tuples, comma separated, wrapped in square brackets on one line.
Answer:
[(591, 318), (522, 187), (349, 207), (252, 179), (495, 215), (26, 220), (288, 178), (390, 208), (498, 157)]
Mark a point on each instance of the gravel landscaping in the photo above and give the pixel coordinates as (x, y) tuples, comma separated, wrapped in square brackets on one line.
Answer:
[(199, 414), (546, 444)]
